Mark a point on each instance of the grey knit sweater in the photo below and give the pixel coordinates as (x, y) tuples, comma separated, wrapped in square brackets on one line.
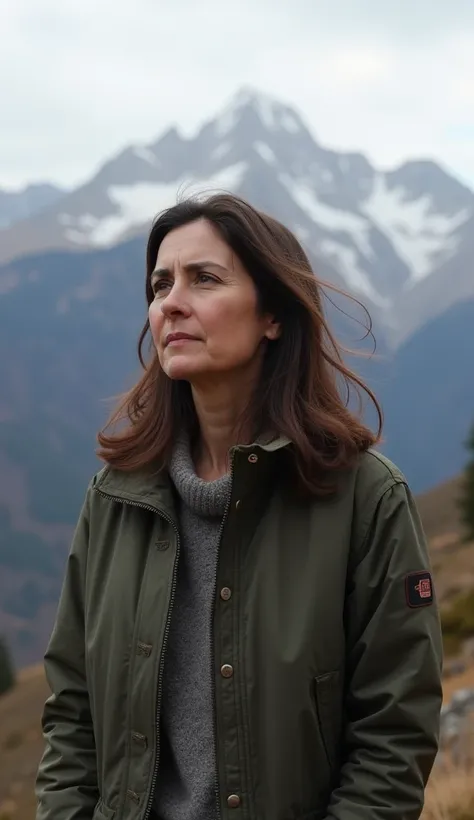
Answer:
[(185, 788)]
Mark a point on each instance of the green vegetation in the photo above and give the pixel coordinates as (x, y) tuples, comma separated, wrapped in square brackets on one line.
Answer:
[(7, 673), (466, 502), (457, 622)]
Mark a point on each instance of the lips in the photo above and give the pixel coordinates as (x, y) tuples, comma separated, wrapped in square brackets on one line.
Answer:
[(179, 337)]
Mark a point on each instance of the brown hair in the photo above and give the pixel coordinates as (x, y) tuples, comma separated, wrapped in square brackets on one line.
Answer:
[(299, 392)]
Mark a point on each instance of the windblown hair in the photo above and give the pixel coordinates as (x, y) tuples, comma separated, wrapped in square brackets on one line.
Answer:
[(299, 394)]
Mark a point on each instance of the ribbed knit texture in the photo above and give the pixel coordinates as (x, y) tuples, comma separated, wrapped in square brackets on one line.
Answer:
[(187, 775)]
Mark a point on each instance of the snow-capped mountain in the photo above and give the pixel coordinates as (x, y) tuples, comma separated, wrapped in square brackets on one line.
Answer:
[(385, 236)]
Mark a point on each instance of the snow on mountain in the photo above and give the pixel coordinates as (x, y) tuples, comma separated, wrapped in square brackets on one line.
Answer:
[(134, 205), (145, 154), (273, 115), (265, 152), (338, 222), (421, 237), (379, 234)]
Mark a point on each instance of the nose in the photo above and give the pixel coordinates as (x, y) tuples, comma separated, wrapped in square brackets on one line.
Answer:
[(175, 303)]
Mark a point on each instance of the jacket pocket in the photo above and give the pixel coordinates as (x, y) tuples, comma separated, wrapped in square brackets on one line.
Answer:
[(328, 702), (102, 812)]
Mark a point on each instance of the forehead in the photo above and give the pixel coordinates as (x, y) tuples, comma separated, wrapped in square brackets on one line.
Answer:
[(198, 239)]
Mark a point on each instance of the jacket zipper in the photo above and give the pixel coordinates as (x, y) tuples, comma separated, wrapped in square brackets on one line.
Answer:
[(165, 636), (213, 677)]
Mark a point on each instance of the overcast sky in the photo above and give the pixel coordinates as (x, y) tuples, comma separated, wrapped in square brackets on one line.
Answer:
[(80, 79)]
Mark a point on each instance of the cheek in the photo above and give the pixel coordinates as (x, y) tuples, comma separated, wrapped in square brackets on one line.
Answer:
[(234, 309), (155, 317), (233, 325)]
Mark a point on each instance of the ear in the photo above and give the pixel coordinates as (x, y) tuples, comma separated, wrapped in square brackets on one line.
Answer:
[(273, 330)]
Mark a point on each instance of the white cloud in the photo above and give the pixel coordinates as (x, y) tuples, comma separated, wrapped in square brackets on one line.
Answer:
[(80, 80)]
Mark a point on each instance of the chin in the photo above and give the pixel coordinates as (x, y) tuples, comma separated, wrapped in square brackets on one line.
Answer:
[(182, 370)]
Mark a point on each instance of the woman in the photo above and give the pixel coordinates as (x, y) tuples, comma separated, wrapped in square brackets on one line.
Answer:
[(247, 627)]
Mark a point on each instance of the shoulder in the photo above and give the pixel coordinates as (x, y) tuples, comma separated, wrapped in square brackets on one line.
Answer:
[(375, 473), (377, 487)]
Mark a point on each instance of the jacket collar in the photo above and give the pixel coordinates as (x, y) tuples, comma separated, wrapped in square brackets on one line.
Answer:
[(153, 489)]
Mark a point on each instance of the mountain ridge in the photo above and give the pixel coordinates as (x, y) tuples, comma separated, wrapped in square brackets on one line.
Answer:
[(22, 203), (387, 236)]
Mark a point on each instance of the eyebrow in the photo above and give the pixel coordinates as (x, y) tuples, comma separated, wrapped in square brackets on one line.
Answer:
[(190, 267)]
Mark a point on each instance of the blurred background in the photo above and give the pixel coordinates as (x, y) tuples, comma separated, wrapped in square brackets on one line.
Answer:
[(353, 123)]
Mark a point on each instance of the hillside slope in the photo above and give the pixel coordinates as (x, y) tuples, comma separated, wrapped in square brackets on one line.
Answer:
[(428, 397)]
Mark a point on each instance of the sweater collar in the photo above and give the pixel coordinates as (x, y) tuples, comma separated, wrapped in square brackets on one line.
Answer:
[(205, 498)]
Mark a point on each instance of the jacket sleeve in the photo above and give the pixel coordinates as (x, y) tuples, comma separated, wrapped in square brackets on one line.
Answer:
[(66, 784), (394, 662)]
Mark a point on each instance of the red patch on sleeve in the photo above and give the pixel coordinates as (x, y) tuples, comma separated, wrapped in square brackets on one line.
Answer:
[(419, 589)]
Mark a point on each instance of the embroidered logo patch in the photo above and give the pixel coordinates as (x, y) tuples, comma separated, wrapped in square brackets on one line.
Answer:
[(419, 589)]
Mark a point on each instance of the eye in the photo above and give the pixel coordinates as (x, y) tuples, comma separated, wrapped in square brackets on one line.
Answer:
[(206, 278), (159, 286)]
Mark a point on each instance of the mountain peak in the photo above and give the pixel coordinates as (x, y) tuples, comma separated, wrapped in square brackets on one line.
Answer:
[(247, 95), (273, 114)]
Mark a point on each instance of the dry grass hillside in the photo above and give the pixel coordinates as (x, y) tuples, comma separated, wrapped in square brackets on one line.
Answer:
[(21, 744), (438, 509), (452, 557), (450, 796)]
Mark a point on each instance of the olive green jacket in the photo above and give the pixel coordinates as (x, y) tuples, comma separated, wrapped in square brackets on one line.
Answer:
[(326, 649)]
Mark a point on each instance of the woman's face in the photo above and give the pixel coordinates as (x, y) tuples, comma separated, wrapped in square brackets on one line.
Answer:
[(204, 318)]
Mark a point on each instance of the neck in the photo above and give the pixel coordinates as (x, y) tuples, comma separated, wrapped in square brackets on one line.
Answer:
[(220, 411)]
